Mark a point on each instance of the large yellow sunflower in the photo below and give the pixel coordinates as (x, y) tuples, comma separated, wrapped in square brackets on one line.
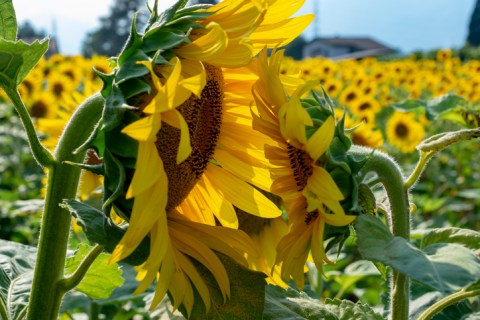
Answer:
[(198, 156), (311, 197)]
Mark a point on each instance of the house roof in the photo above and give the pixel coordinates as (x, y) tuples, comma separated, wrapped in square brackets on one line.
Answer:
[(359, 43)]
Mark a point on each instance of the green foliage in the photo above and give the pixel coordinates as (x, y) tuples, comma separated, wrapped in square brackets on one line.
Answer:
[(290, 304), (16, 268), (17, 59), (8, 21), (101, 279), (433, 108), (441, 266)]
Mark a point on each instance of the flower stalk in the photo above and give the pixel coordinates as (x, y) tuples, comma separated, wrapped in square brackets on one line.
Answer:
[(447, 301), (47, 290), (41, 154), (390, 176)]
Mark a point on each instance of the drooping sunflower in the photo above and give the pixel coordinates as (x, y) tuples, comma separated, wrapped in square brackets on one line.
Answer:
[(311, 196), (404, 132), (194, 155)]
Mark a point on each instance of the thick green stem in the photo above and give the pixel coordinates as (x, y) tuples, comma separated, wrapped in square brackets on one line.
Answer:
[(47, 292), (391, 177), (447, 301), (40, 153)]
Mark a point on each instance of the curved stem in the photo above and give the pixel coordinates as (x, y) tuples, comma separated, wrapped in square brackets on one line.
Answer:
[(421, 164), (74, 279), (46, 294), (390, 176), (41, 154), (447, 301)]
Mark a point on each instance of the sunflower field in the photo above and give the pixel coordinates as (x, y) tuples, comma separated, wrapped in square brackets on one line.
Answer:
[(202, 174)]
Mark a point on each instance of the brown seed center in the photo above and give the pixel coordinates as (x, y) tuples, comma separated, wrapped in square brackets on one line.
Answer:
[(301, 165), (401, 130), (204, 119)]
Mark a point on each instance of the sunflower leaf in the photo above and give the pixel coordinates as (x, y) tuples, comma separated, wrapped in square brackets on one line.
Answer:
[(466, 237), (8, 21), (17, 58), (444, 267), (101, 279), (440, 105), (100, 229), (16, 266), (290, 304)]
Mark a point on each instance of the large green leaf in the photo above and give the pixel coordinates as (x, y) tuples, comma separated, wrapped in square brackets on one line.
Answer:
[(8, 21), (441, 266), (16, 264), (101, 279), (283, 304), (17, 58), (468, 238)]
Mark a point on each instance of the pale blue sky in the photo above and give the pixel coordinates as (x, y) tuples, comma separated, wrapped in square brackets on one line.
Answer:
[(406, 25)]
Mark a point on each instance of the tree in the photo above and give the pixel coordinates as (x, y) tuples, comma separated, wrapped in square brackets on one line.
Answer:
[(114, 29), (474, 27), (295, 48), (28, 31)]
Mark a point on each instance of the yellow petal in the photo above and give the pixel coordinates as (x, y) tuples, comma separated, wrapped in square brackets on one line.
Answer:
[(236, 54), (149, 169), (241, 194), (145, 129), (321, 139), (293, 118), (280, 33), (208, 46), (175, 119)]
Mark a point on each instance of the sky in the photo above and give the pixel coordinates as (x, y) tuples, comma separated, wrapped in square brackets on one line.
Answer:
[(406, 25)]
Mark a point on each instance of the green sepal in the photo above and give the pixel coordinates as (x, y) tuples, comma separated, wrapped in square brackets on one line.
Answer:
[(162, 39), (17, 59), (102, 230), (131, 69), (133, 43), (134, 88), (119, 143), (166, 15), (95, 168), (94, 141), (114, 109), (114, 180), (8, 21), (107, 80)]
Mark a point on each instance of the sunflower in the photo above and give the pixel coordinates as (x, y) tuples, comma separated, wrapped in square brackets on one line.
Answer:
[(404, 132), (365, 108), (311, 196), (197, 156), (364, 134), (349, 95)]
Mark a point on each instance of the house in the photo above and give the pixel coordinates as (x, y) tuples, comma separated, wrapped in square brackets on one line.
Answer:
[(346, 48)]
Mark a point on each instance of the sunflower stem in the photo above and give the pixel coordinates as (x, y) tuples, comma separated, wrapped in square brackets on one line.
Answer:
[(41, 154), (447, 301), (431, 146), (47, 291), (390, 176)]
